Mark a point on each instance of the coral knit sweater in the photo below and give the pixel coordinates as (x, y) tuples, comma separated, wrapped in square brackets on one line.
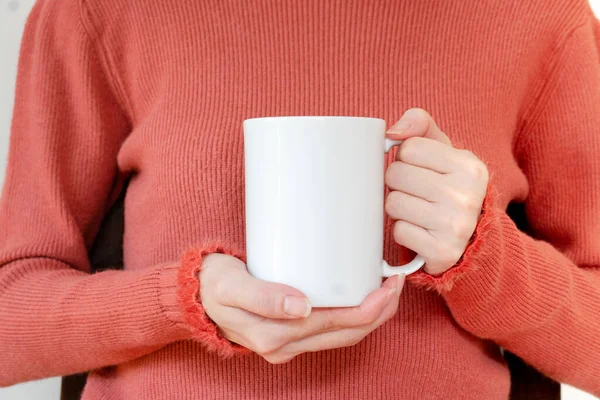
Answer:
[(156, 92)]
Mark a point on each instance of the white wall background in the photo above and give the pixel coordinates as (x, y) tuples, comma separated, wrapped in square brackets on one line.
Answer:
[(12, 17)]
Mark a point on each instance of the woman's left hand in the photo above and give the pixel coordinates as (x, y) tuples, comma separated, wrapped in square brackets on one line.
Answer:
[(437, 192)]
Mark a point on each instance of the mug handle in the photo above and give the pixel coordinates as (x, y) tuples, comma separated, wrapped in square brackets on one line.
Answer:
[(418, 261)]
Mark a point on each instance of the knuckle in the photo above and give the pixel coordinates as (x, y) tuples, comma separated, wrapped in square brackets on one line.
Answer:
[(369, 318), (419, 113), (466, 154), (365, 317), (467, 202), (398, 232), (409, 148), (220, 288), (479, 171), (471, 203), (271, 359), (460, 227), (393, 173), (476, 168), (277, 358), (392, 202), (263, 344), (354, 339)]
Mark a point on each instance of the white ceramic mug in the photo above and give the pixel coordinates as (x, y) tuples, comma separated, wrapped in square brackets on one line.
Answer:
[(315, 206)]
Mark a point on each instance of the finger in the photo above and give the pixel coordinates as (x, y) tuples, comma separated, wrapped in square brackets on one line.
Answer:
[(429, 154), (417, 181), (367, 312), (341, 338), (271, 300), (269, 335), (229, 319), (323, 320), (404, 206), (394, 282), (414, 238), (417, 122), (332, 319)]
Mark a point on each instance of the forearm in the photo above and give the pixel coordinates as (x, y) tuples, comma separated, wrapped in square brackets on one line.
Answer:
[(55, 320), (531, 299)]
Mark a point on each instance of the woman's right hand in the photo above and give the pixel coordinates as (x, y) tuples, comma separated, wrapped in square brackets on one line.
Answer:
[(276, 321)]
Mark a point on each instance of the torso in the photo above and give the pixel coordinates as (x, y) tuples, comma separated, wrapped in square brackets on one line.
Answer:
[(462, 62)]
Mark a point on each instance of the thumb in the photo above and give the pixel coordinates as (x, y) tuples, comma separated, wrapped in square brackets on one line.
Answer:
[(395, 282), (417, 122), (241, 290)]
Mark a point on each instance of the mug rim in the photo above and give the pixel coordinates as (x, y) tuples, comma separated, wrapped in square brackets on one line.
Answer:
[(310, 117)]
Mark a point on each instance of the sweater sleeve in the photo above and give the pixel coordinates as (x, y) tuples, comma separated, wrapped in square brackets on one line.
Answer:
[(539, 296), (55, 317)]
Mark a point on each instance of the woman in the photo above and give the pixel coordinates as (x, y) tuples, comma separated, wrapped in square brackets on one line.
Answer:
[(155, 93)]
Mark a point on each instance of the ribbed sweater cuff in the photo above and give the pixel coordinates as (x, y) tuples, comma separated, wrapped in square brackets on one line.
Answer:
[(477, 250), (189, 306)]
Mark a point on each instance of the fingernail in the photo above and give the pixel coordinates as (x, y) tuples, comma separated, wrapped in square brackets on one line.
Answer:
[(400, 127), (296, 306)]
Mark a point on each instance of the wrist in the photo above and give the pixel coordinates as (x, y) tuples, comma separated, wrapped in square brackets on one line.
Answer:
[(202, 327)]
